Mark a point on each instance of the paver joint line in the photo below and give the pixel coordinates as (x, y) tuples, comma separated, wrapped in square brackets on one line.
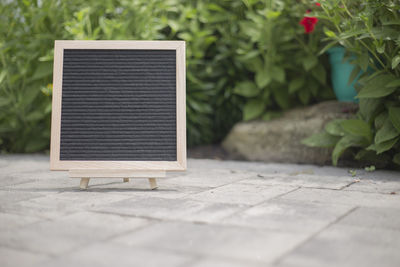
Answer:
[(311, 237)]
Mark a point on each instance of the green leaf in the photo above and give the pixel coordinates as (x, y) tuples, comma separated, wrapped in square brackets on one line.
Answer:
[(319, 73), (387, 132), (380, 119), (8, 127), (304, 96), (364, 61), (322, 139), (330, 45), (334, 127), (357, 128), (329, 33), (2, 75), (34, 145), (43, 70), (380, 48), (270, 14), (394, 115), (377, 87), (396, 159), (366, 77), (385, 146), (343, 144), (371, 157), (30, 95), (4, 101), (395, 83), (383, 33), (35, 115), (351, 33), (253, 109), (282, 97), (174, 25), (254, 64), (354, 74), (370, 168), (271, 115), (313, 87), (369, 107), (395, 61), (247, 89), (310, 62), (198, 106), (249, 55), (263, 78), (278, 74), (296, 84)]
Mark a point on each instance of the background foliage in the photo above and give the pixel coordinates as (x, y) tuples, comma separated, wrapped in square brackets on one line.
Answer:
[(370, 31), (280, 62), (245, 59)]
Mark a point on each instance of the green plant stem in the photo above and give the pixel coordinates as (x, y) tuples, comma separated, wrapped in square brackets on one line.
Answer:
[(7, 78), (374, 54), (346, 9), (330, 18), (301, 43), (375, 40), (361, 41)]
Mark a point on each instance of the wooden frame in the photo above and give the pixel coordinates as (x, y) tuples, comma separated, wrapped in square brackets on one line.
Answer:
[(178, 165)]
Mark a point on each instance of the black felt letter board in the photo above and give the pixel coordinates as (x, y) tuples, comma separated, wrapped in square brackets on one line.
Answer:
[(118, 105)]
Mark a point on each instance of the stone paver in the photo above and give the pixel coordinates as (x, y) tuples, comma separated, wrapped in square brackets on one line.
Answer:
[(289, 215), (301, 179), (9, 221), (13, 257), (242, 193), (387, 182), (342, 245), (172, 209), (246, 244), (106, 255), (355, 198), (372, 217), (218, 213)]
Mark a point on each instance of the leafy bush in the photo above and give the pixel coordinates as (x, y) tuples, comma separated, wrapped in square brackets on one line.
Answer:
[(281, 61), (28, 30), (209, 28), (369, 30), (240, 57), (27, 36)]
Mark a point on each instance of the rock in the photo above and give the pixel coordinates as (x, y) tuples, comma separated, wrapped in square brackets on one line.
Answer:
[(279, 140)]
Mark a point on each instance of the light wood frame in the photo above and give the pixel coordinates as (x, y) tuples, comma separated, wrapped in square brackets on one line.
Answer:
[(178, 165)]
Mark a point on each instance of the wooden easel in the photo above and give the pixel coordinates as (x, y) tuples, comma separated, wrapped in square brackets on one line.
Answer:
[(86, 174)]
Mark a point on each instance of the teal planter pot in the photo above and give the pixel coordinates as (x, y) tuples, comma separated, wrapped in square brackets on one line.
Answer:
[(341, 71)]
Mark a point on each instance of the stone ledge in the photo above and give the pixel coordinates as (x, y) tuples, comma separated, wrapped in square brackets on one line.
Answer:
[(278, 140)]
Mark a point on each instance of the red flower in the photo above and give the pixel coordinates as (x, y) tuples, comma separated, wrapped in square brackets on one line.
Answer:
[(317, 4), (309, 24)]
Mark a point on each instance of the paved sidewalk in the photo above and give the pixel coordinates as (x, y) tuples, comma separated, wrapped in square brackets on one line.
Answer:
[(218, 213)]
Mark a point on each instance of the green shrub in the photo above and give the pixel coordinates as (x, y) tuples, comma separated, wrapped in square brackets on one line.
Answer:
[(28, 30), (281, 61), (209, 28), (27, 33), (369, 30), (245, 59)]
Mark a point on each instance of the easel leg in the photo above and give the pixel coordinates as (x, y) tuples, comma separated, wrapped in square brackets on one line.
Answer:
[(84, 183), (126, 180), (153, 183)]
